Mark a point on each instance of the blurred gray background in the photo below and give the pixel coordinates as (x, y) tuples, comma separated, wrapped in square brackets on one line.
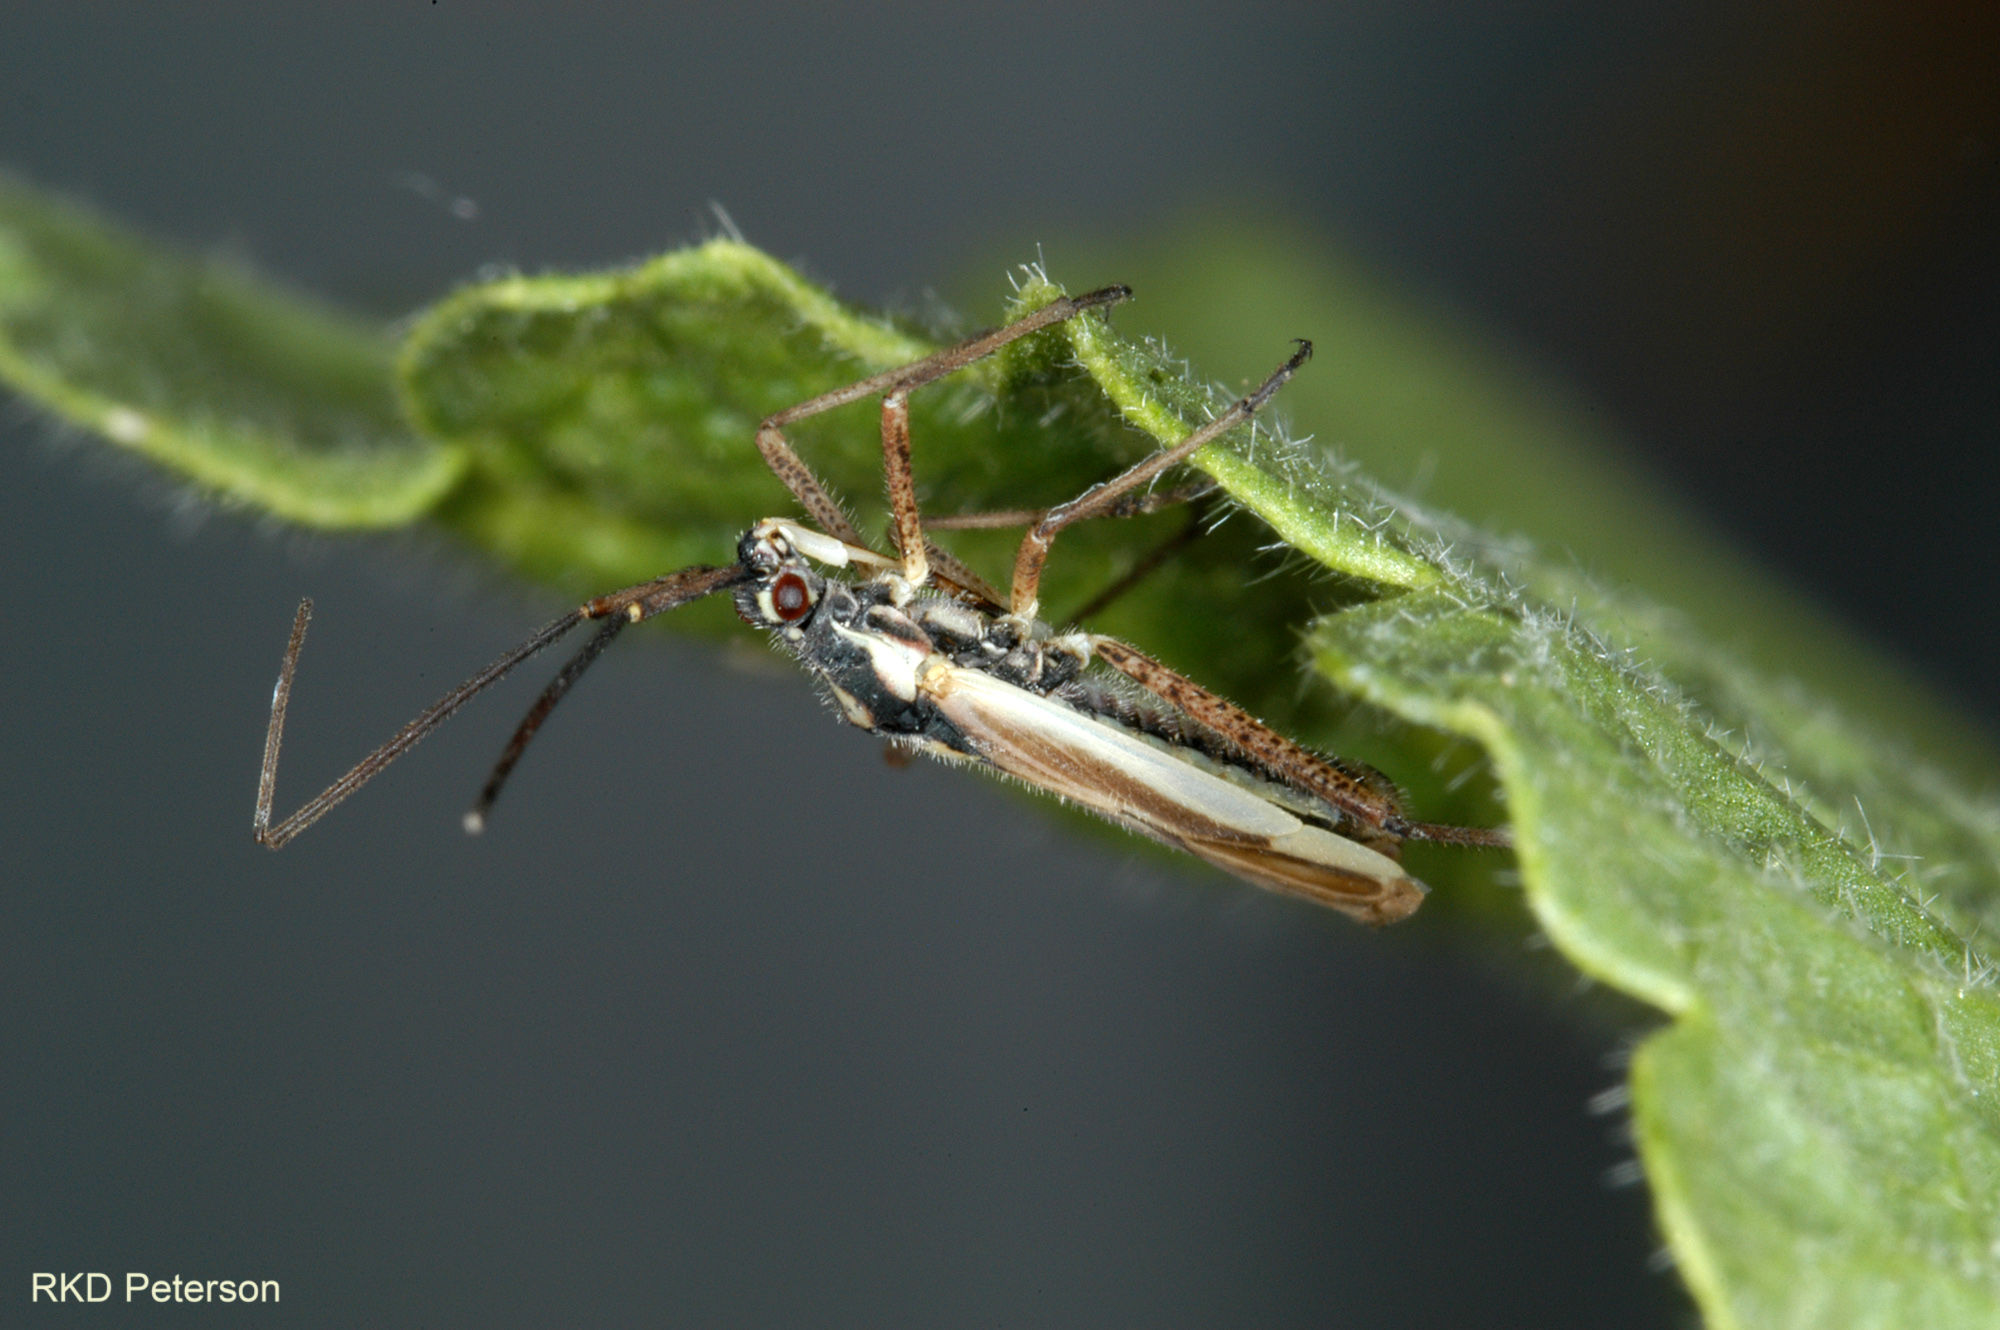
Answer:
[(727, 1023)]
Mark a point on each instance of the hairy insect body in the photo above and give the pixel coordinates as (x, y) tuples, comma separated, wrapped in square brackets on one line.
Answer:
[(1009, 695)]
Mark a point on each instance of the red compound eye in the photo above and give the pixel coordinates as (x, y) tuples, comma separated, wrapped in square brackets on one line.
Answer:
[(790, 597)]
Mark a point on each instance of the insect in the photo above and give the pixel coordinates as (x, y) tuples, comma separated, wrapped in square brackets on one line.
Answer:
[(917, 648)]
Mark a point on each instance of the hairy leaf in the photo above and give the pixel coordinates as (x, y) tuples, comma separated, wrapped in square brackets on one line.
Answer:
[(1820, 1124), (260, 397), (1695, 827)]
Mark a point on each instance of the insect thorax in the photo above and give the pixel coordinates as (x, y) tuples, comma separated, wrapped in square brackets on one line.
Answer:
[(870, 641)]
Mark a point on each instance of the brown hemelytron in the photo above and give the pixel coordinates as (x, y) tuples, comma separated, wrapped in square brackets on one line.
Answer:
[(916, 647)]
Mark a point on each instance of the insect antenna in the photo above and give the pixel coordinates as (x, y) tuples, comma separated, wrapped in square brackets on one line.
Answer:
[(621, 607), (399, 743), (475, 817), (618, 610)]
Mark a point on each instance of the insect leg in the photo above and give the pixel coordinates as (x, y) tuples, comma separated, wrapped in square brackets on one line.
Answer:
[(895, 385), (1360, 793), (906, 524), (1128, 505), (1348, 791), (947, 568), (1099, 500), (907, 529)]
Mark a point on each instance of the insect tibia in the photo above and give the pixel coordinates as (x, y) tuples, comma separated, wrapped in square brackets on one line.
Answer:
[(1487, 838)]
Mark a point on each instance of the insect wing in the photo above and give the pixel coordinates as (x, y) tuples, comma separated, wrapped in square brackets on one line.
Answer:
[(1146, 788)]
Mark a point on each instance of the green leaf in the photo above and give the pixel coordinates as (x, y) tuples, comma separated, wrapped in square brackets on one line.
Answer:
[(1407, 394), (609, 420), (1817, 1123), (260, 397), (1820, 1124), (1696, 827), (624, 402)]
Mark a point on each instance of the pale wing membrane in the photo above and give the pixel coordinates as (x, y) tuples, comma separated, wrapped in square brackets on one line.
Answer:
[(1130, 781)]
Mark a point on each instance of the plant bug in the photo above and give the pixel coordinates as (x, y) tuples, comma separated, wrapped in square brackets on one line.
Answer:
[(923, 652)]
